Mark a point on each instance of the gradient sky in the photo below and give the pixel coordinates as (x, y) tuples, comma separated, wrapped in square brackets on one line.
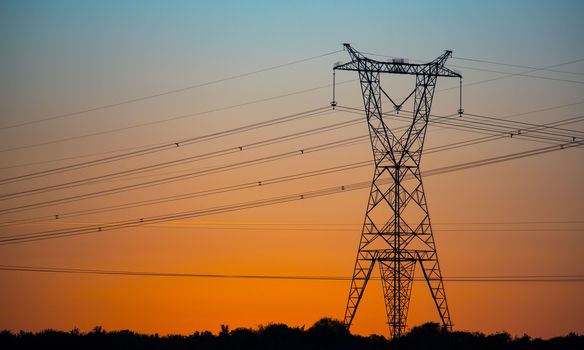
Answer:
[(511, 218)]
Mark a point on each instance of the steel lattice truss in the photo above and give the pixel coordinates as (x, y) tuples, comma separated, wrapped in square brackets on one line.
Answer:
[(397, 233)]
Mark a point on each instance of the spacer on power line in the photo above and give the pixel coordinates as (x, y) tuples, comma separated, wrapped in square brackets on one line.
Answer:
[(396, 234)]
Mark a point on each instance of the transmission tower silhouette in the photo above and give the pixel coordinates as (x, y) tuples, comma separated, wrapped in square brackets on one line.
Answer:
[(397, 233)]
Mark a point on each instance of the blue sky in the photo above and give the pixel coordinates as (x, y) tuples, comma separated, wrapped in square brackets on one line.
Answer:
[(64, 56)]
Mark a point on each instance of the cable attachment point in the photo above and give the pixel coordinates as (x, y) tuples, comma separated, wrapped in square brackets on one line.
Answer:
[(334, 102), (460, 109)]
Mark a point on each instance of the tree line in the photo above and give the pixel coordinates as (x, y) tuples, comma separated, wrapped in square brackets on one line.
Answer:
[(326, 333)]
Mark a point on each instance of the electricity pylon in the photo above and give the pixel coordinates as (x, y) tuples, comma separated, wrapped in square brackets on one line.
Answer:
[(396, 232)]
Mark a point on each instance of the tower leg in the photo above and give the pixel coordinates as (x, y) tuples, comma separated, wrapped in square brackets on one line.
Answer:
[(397, 280), (433, 276), (361, 275)]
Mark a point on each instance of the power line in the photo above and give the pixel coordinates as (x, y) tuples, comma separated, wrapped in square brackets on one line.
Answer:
[(190, 175), (514, 65), (532, 69), (504, 126), (455, 145), (171, 142), (468, 279), (213, 154), (519, 124), (169, 145), (252, 184), (51, 234), (207, 192), (179, 117), (490, 128), (537, 126), (272, 225), (253, 102), (519, 74), (512, 75), (275, 227), (514, 222), (194, 140), (233, 187), (80, 156), (543, 109), (535, 132), (196, 194), (164, 93), (453, 223)]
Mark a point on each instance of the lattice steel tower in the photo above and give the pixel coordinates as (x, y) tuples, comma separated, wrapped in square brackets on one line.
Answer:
[(396, 232)]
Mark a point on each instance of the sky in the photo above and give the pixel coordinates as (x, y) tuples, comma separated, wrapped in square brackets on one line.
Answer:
[(87, 80)]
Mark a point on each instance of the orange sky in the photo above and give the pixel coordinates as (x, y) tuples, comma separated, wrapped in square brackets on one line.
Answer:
[(522, 217)]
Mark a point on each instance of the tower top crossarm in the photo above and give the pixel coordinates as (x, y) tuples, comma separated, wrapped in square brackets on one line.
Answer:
[(397, 66)]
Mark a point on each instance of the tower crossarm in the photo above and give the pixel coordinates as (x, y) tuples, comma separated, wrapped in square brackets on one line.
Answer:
[(396, 65)]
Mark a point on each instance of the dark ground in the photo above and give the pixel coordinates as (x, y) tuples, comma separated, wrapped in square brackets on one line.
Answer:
[(325, 334)]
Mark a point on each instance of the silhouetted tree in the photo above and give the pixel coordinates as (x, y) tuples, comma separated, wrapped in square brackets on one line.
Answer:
[(326, 333), (224, 330), (329, 327)]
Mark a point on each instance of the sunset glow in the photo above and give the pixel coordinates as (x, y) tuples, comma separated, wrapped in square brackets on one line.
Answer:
[(196, 138)]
